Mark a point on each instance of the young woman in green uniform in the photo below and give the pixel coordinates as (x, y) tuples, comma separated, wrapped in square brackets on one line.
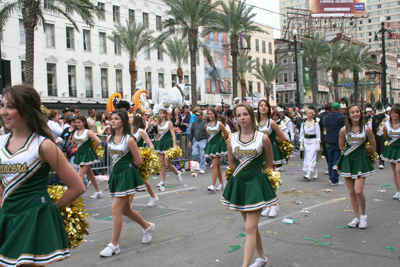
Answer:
[(215, 147), (32, 231), (354, 165), (249, 189)]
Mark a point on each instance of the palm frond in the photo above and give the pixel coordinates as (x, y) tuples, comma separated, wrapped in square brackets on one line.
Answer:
[(7, 10)]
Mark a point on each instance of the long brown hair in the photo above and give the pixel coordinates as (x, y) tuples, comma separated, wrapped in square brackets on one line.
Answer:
[(166, 114), (83, 119), (395, 109), (27, 101), (258, 112), (348, 122), (138, 123), (251, 113)]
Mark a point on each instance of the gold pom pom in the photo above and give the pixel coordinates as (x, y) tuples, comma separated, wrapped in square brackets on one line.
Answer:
[(226, 139), (98, 150), (372, 155), (73, 217), (386, 142), (274, 178), (151, 163), (286, 148), (228, 173), (173, 153)]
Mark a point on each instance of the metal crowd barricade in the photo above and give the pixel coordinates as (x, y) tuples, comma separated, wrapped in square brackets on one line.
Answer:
[(105, 161)]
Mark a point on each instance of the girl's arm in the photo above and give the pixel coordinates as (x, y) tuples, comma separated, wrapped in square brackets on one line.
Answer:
[(268, 152), (371, 139), (146, 138), (94, 137), (172, 131), (133, 148), (223, 129), (342, 139), (231, 158), (385, 133), (278, 131), (318, 132), (51, 154)]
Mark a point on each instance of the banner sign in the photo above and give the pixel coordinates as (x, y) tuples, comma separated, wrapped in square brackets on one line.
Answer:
[(338, 8)]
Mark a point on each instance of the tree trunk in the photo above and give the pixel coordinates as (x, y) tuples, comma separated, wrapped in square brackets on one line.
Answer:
[(30, 17), (268, 92), (355, 80), (180, 75), (193, 50), (234, 54), (335, 76), (243, 87), (132, 72), (314, 83)]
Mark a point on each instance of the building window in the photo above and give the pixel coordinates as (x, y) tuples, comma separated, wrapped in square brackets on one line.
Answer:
[(226, 83), (207, 62), (51, 80), (101, 11), (294, 76), (88, 82), (103, 42), (264, 61), (285, 77), (264, 48), (286, 97), (185, 60), (218, 86), (161, 80), (215, 37), (146, 20), (86, 40), (72, 81), (208, 85), (198, 57), (277, 80), (159, 54), (147, 53), (225, 37), (70, 37), (158, 23), (270, 48), (257, 45), (116, 14), (47, 3), (259, 87), (148, 83), (284, 61), (226, 62), (185, 78), (207, 37), (131, 15), (50, 41), (23, 68), (104, 83), (118, 81), (117, 48), (174, 79), (270, 61), (216, 56), (257, 62)]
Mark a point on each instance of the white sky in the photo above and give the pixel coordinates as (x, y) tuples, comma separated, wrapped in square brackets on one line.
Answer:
[(265, 17)]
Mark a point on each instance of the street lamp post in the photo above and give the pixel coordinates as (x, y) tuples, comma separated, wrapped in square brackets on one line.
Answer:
[(382, 31), (295, 42)]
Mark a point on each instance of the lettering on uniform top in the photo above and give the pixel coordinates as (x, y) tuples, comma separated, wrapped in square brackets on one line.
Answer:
[(212, 131), (13, 168), (112, 151), (355, 139), (393, 133), (78, 140), (244, 152)]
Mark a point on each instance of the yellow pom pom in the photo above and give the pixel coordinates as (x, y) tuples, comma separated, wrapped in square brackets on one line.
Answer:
[(73, 217), (372, 155), (151, 164), (286, 148), (274, 178), (173, 153), (98, 150), (386, 142), (228, 173), (226, 139)]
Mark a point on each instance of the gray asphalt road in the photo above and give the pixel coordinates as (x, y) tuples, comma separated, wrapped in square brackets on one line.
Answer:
[(194, 229)]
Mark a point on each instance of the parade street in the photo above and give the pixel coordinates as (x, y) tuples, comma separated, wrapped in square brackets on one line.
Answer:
[(193, 228)]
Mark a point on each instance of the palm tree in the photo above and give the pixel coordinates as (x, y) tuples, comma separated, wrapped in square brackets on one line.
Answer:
[(188, 17), (32, 14), (336, 60), (134, 39), (244, 65), (237, 20), (178, 50), (359, 59), (314, 50), (268, 73)]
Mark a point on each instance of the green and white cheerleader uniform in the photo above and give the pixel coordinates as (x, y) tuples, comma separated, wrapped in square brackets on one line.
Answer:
[(84, 154), (164, 138), (354, 162), (31, 228), (215, 147), (248, 188), (391, 152), (267, 129), (139, 140), (124, 178)]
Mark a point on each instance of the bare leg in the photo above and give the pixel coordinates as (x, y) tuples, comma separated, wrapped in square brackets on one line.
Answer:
[(220, 174), (93, 179), (149, 189), (215, 167), (359, 188), (396, 175), (117, 208), (162, 160), (170, 166), (134, 215), (350, 183), (253, 237)]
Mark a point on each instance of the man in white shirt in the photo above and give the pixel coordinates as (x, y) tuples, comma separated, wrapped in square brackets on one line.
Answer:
[(91, 120)]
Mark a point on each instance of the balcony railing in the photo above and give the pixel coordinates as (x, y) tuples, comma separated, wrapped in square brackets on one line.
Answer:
[(51, 90), (72, 91), (89, 92), (104, 93)]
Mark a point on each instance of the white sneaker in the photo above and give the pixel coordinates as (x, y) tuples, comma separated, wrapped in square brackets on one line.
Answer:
[(265, 212), (315, 176), (202, 172), (146, 233), (179, 177), (211, 188), (97, 195), (307, 176), (110, 250), (161, 184), (152, 201), (353, 223), (381, 166), (260, 262), (220, 187), (273, 212), (397, 195), (337, 184), (278, 169), (363, 222), (326, 172)]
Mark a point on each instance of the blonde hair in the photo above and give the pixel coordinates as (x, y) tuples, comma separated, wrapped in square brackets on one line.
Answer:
[(312, 111)]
